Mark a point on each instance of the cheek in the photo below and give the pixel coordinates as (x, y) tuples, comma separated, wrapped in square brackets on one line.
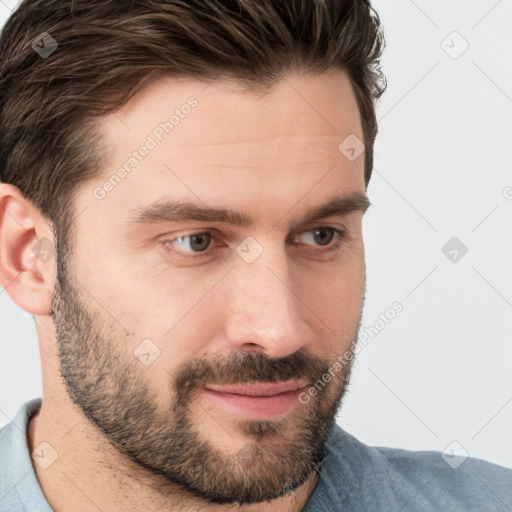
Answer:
[(154, 309), (335, 295), (339, 303), (153, 299)]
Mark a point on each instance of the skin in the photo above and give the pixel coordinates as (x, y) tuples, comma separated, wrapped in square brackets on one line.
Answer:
[(119, 426)]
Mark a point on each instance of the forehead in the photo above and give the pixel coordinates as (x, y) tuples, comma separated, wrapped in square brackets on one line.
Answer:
[(211, 140), (299, 106), (325, 95)]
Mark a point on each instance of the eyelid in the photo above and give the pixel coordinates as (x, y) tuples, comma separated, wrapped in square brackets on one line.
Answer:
[(339, 233)]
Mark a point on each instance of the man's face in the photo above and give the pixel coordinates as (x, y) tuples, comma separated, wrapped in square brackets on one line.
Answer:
[(149, 314)]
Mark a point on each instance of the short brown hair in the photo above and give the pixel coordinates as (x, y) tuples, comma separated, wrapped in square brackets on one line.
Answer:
[(109, 49)]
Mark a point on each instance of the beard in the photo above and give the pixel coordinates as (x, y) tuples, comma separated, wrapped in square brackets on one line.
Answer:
[(112, 390)]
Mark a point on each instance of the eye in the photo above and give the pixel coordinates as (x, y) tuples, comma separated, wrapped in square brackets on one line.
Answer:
[(198, 243), (323, 236)]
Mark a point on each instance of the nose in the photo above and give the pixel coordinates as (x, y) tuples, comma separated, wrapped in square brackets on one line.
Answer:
[(264, 309)]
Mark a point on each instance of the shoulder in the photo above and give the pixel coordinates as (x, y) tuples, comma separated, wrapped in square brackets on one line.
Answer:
[(8, 493), (19, 488), (362, 477), (449, 481)]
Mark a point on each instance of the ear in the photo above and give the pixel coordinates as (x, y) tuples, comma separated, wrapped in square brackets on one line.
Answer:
[(27, 253)]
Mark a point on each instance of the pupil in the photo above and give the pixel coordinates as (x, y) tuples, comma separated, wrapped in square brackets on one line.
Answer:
[(203, 239), (322, 238)]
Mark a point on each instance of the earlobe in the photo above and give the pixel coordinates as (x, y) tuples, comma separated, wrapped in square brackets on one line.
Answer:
[(27, 255)]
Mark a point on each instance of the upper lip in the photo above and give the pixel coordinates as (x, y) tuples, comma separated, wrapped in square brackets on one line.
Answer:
[(259, 388)]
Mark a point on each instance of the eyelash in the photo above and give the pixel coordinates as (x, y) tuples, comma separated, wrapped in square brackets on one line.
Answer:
[(340, 238)]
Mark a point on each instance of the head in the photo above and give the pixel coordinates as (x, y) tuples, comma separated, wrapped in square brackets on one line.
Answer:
[(184, 160)]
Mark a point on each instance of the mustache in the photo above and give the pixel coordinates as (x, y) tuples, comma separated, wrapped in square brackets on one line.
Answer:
[(245, 368)]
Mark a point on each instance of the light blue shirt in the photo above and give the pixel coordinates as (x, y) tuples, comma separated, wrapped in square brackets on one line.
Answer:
[(353, 478)]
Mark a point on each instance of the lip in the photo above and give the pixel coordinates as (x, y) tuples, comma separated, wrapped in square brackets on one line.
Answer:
[(258, 388), (257, 400)]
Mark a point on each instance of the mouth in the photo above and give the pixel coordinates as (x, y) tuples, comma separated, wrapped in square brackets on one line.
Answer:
[(257, 400)]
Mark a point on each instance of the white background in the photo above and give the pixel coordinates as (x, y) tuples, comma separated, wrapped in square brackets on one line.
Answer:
[(441, 370)]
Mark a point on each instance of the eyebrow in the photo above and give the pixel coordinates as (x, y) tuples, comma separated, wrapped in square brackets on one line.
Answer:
[(174, 210)]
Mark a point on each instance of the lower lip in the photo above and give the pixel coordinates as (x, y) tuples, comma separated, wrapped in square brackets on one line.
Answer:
[(257, 406)]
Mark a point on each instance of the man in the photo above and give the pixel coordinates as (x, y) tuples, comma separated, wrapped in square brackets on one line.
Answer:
[(183, 186)]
